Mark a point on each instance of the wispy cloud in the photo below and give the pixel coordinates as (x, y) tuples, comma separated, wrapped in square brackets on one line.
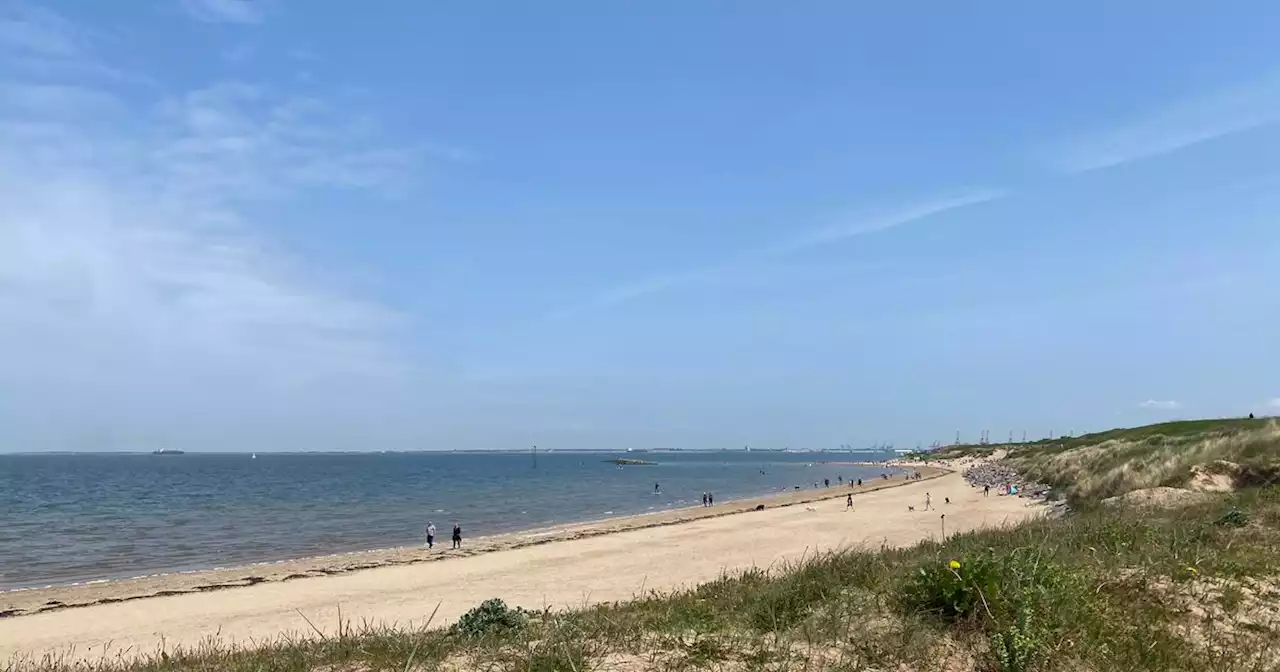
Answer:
[(135, 272), (40, 43), (226, 11), (55, 99), (848, 228), (856, 226), (1273, 403), (241, 140), (27, 28), (1182, 124), (623, 293), (1158, 405)]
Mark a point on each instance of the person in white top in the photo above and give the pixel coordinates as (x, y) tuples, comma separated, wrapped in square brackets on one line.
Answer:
[(431, 534)]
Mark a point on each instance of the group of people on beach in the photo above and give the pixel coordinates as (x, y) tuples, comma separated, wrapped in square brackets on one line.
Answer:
[(708, 499), (431, 535)]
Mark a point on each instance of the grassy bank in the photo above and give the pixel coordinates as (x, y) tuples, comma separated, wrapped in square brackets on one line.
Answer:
[(1105, 464), (1151, 457)]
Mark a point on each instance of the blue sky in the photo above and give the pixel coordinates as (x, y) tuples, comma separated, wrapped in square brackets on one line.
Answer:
[(287, 225)]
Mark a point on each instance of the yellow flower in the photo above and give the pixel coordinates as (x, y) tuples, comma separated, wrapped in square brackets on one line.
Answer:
[(955, 564)]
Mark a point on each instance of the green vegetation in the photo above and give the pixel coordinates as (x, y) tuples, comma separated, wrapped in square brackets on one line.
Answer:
[(1179, 429), (1160, 455), (1107, 588), (1106, 464), (1234, 518), (490, 618)]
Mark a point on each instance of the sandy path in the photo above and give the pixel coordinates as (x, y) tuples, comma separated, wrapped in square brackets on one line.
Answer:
[(566, 573)]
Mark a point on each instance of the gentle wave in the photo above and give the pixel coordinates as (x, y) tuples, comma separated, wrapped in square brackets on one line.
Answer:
[(74, 519)]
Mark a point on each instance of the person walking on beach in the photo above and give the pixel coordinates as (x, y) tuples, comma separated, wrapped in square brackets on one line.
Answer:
[(655, 488), (431, 534), (704, 499), (457, 535), (986, 491), (928, 501), (848, 502), (711, 499), (859, 482)]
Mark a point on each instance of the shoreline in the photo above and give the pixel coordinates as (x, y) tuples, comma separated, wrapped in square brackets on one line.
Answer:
[(563, 569), (20, 602)]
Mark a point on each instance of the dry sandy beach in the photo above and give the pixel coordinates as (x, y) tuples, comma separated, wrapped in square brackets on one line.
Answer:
[(564, 567)]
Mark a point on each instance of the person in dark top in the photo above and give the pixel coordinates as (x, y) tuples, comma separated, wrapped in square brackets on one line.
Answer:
[(457, 535), (704, 499), (711, 499)]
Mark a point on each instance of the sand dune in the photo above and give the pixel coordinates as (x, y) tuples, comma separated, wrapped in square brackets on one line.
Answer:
[(583, 564)]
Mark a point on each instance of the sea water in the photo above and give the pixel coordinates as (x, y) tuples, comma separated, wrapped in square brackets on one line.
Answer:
[(75, 518)]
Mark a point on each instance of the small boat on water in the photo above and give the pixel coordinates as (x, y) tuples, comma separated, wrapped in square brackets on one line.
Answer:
[(168, 451)]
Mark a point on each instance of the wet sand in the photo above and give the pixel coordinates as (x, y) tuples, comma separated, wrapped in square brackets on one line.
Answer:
[(565, 566)]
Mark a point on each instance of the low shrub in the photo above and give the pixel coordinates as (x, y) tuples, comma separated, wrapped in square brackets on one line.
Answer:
[(1026, 602), (1233, 518), (952, 590), (492, 617)]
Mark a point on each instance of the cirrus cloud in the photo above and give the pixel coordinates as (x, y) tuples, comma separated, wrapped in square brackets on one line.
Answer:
[(225, 11)]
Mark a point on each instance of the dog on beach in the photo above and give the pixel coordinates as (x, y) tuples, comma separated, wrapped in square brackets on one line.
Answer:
[(759, 507), (911, 508)]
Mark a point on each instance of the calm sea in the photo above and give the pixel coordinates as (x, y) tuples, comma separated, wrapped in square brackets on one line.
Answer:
[(71, 518)]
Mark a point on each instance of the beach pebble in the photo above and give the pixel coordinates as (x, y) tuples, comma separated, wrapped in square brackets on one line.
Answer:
[(996, 475)]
